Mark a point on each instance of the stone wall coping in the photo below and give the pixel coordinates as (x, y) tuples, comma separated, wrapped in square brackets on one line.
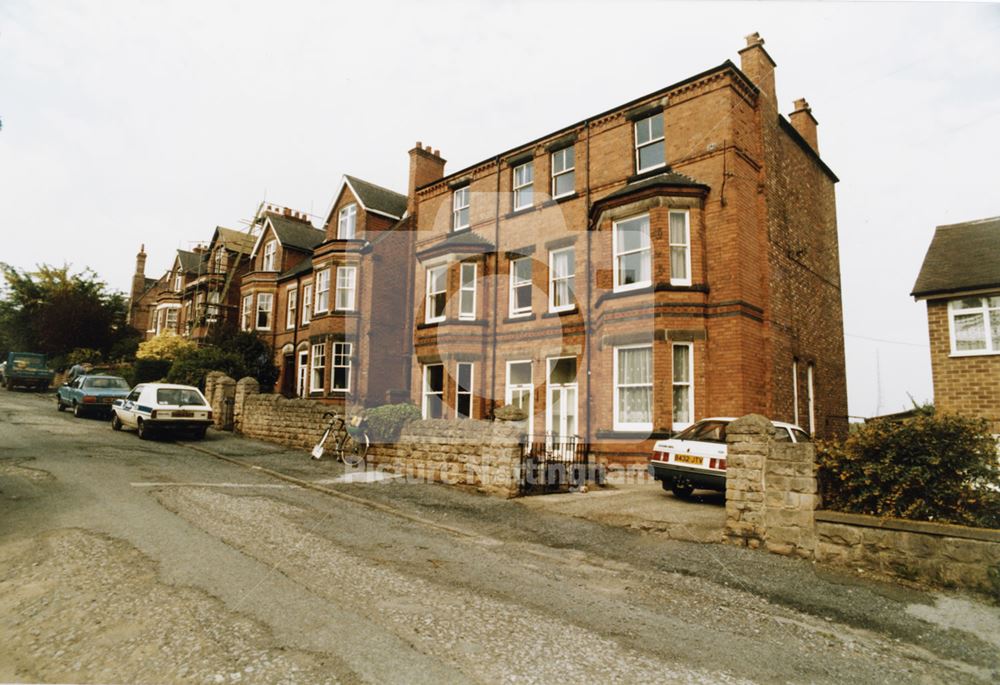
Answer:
[(949, 530)]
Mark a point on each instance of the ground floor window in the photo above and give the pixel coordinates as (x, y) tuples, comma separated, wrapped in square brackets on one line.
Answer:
[(561, 398), (341, 367), (520, 390), (265, 303), (318, 377), (246, 312), (633, 377), (463, 391), (683, 385), (433, 391)]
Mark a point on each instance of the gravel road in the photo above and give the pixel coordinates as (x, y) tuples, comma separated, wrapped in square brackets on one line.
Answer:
[(128, 561)]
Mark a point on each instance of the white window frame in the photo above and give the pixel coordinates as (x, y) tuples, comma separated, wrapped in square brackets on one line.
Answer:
[(795, 391), (212, 307), (459, 393), (633, 425), (291, 306), (178, 281), (347, 285), (983, 310), (810, 373), (246, 313), (467, 288), (268, 311), (686, 246), (431, 294), (652, 141), (321, 302), (680, 425), (571, 277), (302, 372), (317, 354), (618, 288), (510, 389), (347, 222), (425, 393), (167, 325), (523, 189), (570, 170), (270, 252), (307, 298), (563, 389), (512, 311), (460, 202), (338, 354)]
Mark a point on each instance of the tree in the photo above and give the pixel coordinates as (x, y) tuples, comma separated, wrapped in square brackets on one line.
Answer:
[(55, 311)]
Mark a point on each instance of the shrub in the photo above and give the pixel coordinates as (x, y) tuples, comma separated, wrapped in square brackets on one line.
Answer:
[(509, 412), (191, 367), (165, 346), (386, 422), (149, 370), (932, 467), (257, 356)]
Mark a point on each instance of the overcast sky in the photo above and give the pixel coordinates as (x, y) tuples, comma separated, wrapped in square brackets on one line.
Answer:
[(128, 123)]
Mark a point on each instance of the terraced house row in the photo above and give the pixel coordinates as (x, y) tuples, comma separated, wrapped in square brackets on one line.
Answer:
[(669, 259)]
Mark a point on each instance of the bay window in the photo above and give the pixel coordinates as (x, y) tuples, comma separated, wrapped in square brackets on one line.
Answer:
[(322, 303), (341, 365), (463, 391), (467, 293), (680, 248), (346, 288), (437, 294), (632, 253), (433, 391), (265, 301), (317, 376)]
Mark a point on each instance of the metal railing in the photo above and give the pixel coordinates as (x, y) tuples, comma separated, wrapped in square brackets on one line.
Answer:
[(552, 463)]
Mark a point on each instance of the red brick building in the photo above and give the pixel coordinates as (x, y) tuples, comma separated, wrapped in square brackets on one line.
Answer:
[(960, 281), (672, 258)]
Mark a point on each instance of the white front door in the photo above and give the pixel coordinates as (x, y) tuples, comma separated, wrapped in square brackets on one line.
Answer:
[(303, 374), (561, 399)]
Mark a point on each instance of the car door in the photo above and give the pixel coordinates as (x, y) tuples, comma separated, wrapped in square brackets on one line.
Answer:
[(126, 413)]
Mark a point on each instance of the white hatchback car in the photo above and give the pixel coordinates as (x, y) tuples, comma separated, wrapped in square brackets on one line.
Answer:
[(152, 407), (696, 457)]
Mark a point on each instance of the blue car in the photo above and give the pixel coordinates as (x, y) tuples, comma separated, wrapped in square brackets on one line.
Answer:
[(91, 395)]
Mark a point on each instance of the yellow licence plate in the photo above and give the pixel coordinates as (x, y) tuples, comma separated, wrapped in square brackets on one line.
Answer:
[(687, 459)]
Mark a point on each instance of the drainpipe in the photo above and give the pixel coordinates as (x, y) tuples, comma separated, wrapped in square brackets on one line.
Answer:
[(496, 286), (590, 300), (295, 334)]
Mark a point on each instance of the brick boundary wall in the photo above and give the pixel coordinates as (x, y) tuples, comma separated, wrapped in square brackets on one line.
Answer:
[(772, 502), (483, 456)]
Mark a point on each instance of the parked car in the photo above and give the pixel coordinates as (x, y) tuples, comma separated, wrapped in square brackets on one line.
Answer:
[(696, 457), (27, 370), (156, 407), (91, 394)]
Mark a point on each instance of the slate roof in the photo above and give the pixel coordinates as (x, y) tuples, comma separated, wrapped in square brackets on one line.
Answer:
[(961, 257), (377, 198), (461, 241), (190, 261), (295, 233), (234, 240), (664, 178), (303, 267)]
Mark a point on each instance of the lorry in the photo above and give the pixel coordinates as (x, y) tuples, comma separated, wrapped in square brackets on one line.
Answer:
[(27, 370)]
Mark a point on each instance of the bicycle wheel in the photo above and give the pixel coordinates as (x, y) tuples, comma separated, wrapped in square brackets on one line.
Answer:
[(354, 450)]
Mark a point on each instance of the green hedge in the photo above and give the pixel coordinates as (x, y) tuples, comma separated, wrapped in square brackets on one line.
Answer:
[(929, 468), (386, 422), (149, 370)]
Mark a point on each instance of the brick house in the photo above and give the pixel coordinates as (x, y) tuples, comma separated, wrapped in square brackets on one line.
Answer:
[(328, 300), (960, 281), (672, 258)]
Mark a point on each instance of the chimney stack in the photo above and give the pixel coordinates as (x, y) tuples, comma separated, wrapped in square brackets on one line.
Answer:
[(805, 123), (758, 65), (426, 166), (138, 278)]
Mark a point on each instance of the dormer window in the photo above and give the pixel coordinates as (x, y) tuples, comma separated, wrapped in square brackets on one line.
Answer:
[(649, 150), (178, 281), (460, 209), (270, 251), (347, 222), (218, 260)]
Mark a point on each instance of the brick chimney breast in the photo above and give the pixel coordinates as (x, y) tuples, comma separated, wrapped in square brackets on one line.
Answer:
[(805, 123), (758, 65), (426, 166)]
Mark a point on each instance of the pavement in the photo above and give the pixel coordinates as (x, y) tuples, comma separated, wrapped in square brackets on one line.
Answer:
[(132, 561)]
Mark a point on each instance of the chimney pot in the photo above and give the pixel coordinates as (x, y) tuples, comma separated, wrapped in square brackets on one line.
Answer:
[(754, 39), (420, 146)]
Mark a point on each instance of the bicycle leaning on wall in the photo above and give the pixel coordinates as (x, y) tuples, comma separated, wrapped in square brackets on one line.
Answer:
[(349, 439)]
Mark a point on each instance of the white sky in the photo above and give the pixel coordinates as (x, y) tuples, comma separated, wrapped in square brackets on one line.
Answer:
[(128, 123)]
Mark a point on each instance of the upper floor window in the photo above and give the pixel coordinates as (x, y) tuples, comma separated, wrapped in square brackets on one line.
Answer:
[(633, 253), (307, 301), (292, 307), (633, 400), (562, 277), (437, 284), (265, 303), (649, 152), (680, 249), (975, 325), (520, 286), (178, 281), (322, 303), (563, 172), (219, 261), (246, 312), (524, 178), (347, 222), (270, 251), (346, 287), (460, 208), (467, 293)]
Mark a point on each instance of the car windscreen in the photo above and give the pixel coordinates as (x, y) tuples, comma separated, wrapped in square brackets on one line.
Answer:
[(801, 435), (179, 396), (33, 363), (706, 431), (106, 383)]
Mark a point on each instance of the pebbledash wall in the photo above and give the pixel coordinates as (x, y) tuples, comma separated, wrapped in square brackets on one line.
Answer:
[(772, 502), (483, 456)]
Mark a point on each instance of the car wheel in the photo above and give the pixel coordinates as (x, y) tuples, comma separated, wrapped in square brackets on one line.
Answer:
[(9, 384), (142, 430), (59, 405), (77, 410), (199, 432), (116, 423), (682, 491)]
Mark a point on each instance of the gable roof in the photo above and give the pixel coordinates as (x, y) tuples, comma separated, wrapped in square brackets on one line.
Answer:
[(375, 198), (237, 241), (961, 257), (190, 262), (290, 232)]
